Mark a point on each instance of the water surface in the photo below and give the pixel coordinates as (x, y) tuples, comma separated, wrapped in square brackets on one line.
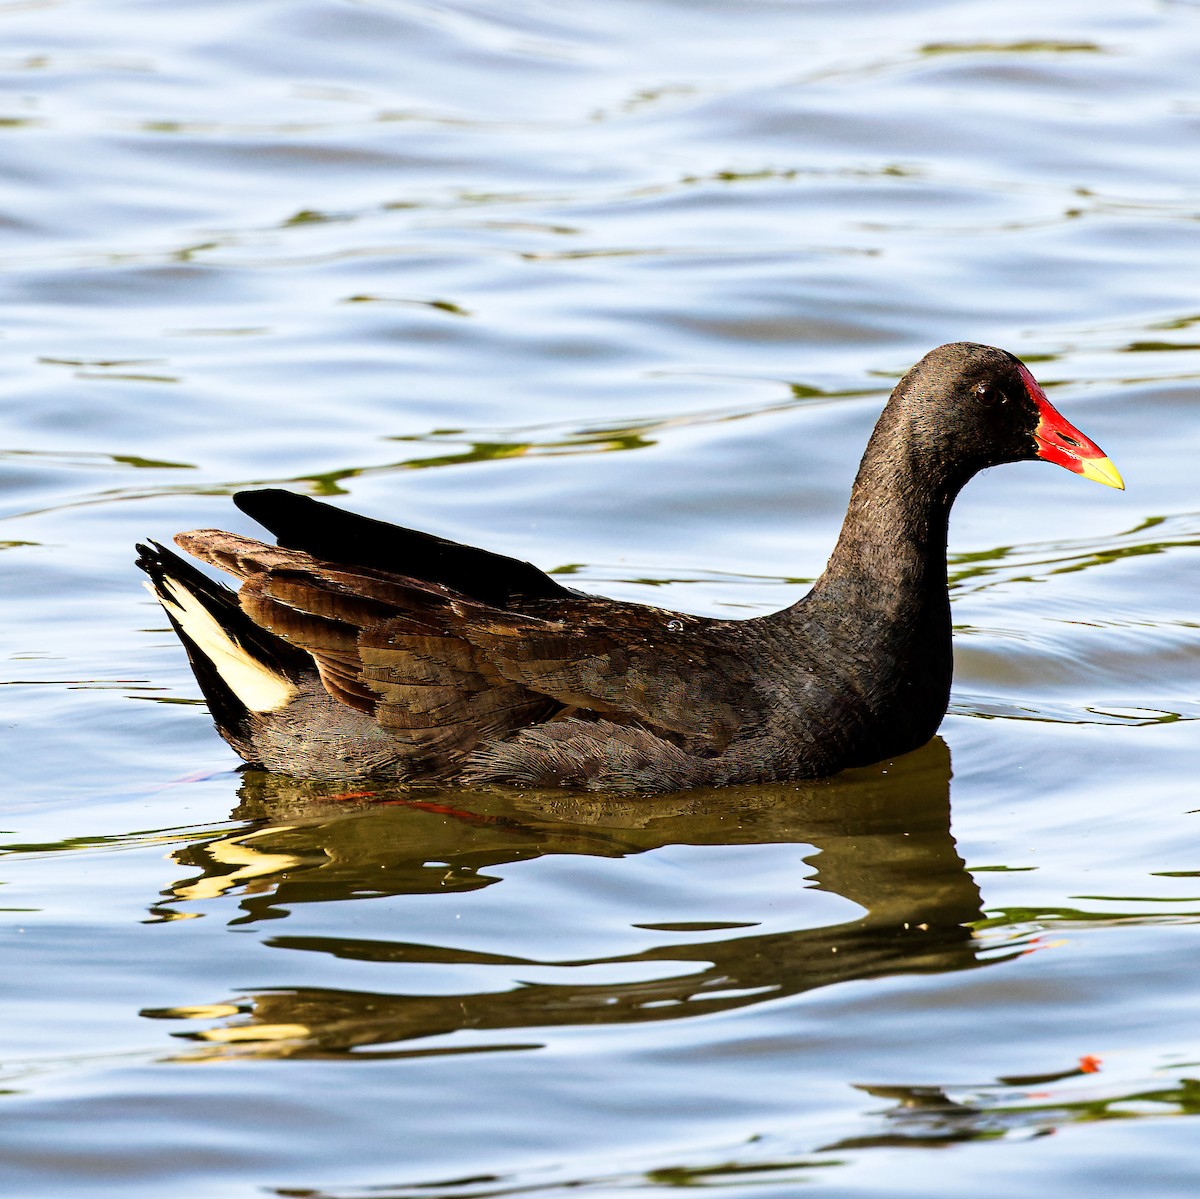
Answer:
[(619, 289)]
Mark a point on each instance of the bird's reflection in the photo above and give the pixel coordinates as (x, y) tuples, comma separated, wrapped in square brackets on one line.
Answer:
[(882, 840)]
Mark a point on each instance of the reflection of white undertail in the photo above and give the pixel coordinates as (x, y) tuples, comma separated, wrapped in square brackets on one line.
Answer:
[(259, 687)]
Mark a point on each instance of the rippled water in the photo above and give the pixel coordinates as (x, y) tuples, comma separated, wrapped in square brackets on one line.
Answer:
[(619, 288)]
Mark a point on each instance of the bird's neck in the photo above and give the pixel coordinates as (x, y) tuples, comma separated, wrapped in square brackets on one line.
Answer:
[(892, 546), (894, 536), (876, 624), (884, 588)]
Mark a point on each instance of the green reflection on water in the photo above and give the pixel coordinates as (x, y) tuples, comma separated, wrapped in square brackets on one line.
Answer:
[(440, 305), (151, 463), (119, 841), (933, 1117), (1031, 46), (985, 707), (85, 458), (1065, 557), (1158, 347), (881, 837), (690, 1176), (1061, 916)]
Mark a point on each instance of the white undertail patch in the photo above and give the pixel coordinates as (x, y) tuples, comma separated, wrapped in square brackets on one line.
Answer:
[(259, 687)]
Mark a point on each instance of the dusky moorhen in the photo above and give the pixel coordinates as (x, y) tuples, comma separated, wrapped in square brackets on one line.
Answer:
[(357, 649)]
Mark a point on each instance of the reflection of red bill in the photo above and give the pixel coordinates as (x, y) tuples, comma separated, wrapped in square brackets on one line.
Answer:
[(1061, 443)]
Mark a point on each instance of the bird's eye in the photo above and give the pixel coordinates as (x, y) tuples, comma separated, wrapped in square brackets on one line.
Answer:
[(989, 393)]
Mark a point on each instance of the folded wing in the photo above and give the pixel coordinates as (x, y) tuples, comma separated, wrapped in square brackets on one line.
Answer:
[(442, 668)]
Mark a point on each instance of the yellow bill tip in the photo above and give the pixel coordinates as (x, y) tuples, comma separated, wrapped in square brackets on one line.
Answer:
[(1101, 470)]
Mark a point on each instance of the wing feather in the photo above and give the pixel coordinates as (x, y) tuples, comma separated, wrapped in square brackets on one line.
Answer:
[(443, 670)]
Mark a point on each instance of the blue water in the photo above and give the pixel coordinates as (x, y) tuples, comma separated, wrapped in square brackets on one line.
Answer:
[(619, 289)]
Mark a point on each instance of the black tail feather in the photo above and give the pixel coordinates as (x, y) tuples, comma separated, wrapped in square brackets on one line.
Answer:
[(334, 535), (228, 711)]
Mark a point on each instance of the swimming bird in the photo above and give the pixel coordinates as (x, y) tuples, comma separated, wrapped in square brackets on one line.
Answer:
[(355, 649)]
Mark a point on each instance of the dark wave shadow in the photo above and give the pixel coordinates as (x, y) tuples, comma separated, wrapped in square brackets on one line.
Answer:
[(881, 837)]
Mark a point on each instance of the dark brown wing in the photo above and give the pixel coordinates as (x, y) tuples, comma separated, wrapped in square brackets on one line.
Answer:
[(443, 671), (438, 692), (670, 672)]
